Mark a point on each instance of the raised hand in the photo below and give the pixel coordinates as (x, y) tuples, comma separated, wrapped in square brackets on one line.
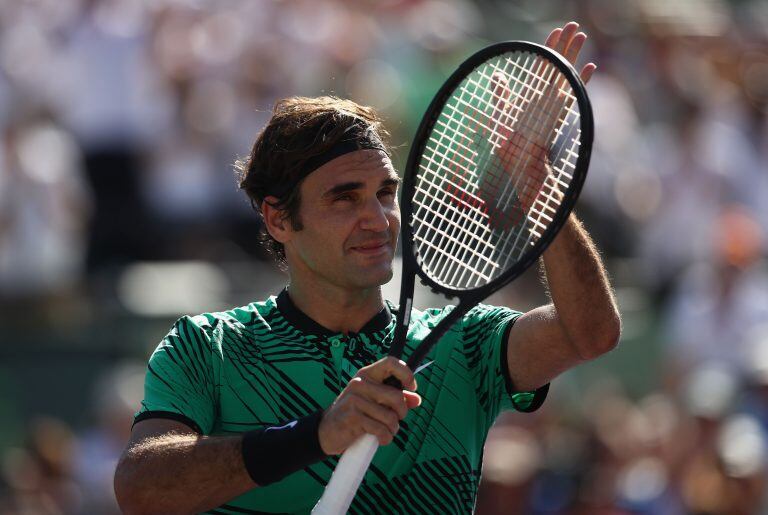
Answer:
[(568, 42), (524, 126)]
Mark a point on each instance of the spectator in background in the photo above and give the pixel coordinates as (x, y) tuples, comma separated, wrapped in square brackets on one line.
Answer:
[(754, 400), (115, 395), (679, 232), (114, 108), (44, 211), (725, 474), (39, 474), (719, 302)]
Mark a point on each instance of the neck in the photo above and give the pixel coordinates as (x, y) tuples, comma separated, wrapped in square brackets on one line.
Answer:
[(337, 309)]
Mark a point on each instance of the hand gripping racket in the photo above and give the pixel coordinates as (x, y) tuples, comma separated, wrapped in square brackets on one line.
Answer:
[(495, 168)]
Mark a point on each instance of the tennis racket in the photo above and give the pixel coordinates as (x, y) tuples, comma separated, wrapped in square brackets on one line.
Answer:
[(495, 168)]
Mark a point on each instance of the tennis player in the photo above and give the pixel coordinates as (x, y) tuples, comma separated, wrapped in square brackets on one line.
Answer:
[(247, 411)]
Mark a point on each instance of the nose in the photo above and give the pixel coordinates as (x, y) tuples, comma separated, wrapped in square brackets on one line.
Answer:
[(374, 216)]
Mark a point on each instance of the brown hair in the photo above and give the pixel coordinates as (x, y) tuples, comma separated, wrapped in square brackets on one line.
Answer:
[(300, 130)]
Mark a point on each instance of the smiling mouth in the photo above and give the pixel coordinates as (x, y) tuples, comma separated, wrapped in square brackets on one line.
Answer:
[(372, 249)]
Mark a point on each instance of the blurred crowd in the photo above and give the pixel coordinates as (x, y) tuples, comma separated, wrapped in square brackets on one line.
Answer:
[(119, 124)]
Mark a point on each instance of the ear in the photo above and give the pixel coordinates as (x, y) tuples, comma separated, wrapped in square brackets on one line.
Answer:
[(276, 220)]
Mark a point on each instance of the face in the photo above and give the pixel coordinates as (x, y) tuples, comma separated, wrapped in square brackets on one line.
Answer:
[(350, 222)]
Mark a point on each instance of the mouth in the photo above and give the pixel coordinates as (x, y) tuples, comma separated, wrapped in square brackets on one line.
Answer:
[(372, 248)]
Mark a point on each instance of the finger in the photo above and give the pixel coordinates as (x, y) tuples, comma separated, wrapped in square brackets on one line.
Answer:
[(501, 92), (569, 31), (565, 38), (412, 400), (553, 38), (386, 367), (381, 394), (379, 413), (572, 52), (358, 424), (377, 429), (587, 71)]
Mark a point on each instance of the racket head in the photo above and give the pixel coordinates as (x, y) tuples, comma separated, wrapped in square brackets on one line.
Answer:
[(445, 127)]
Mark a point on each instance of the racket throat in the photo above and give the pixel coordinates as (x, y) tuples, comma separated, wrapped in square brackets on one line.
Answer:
[(401, 329), (407, 313)]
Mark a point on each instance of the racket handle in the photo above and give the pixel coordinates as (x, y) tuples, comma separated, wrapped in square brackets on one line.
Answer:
[(347, 477)]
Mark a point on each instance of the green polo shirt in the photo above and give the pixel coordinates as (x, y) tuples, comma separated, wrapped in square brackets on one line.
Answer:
[(268, 363)]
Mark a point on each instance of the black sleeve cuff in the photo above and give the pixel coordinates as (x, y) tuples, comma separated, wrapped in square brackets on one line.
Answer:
[(170, 415), (540, 394)]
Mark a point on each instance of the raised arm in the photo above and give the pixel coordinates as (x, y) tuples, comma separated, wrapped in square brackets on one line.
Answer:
[(582, 322)]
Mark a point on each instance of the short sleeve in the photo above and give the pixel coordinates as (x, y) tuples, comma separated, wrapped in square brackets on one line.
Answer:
[(485, 334), (180, 384)]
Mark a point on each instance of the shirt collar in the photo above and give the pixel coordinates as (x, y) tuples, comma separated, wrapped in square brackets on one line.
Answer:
[(304, 323)]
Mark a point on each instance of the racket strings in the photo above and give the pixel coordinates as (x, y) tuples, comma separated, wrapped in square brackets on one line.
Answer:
[(493, 170), (444, 258), (538, 121)]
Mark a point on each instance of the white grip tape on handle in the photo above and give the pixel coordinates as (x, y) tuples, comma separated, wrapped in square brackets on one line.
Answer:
[(347, 477)]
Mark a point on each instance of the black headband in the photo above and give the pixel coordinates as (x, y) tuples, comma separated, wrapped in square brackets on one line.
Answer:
[(358, 136)]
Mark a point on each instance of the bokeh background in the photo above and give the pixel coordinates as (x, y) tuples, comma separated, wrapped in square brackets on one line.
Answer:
[(119, 211)]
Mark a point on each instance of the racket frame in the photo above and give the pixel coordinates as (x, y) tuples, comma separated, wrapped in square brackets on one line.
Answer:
[(470, 297)]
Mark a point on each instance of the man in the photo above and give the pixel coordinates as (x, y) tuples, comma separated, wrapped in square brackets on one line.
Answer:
[(247, 411)]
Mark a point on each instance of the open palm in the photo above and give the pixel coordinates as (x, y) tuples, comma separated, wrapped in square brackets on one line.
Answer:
[(525, 125)]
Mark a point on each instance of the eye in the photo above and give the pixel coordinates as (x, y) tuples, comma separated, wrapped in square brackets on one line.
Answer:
[(344, 197), (387, 192)]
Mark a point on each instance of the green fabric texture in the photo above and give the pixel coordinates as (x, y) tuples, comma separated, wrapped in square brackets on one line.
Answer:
[(251, 367)]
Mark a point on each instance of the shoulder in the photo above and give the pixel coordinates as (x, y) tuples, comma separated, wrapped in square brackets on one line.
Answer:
[(255, 313), (489, 313), (431, 314), (211, 326), (479, 313)]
